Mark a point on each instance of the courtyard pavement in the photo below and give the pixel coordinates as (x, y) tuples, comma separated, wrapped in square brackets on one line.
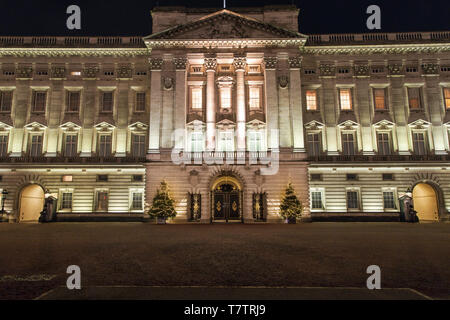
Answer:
[(141, 260)]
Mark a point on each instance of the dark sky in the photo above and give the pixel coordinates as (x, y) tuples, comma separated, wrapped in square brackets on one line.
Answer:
[(132, 17)]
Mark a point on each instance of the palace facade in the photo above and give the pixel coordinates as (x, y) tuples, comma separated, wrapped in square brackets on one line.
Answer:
[(228, 107)]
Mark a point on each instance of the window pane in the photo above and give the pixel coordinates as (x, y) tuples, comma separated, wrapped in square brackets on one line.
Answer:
[(226, 141), (36, 146), (66, 200), (346, 99), (197, 101), (447, 97), (136, 203), (3, 145), (311, 100), (140, 101), (73, 101), (225, 97), (380, 99), (71, 146), (352, 200), (383, 144), (138, 148), (314, 145), (105, 146), (197, 142), (388, 199), (254, 141), (254, 98), (414, 98), (39, 101), (419, 143), (316, 200), (107, 101), (5, 101), (348, 144)]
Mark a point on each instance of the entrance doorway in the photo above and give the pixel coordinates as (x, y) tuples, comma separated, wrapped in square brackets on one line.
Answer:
[(226, 200), (425, 202), (31, 203)]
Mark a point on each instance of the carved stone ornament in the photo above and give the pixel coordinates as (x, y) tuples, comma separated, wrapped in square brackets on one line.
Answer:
[(180, 63), (124, 73), (210, 63), (58, 72), (90, 72), (225, 28), (283, 81), (168, 83), (24, 72), (156, 63), (395, 68), (361, 70), (194, 178), (271, 62), (430, 68), (240, 63), (327, 70), (295, 62)]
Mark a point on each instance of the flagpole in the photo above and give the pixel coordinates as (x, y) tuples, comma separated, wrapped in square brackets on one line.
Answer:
[(224, 4)]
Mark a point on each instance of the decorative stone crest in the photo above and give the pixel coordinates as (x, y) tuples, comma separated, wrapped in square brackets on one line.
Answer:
[(283, 81), (194, 178), (225, 28), (240, 63), (58, 72), (180, 63), (271, 62), (430, 68), (395, 69), (327, 70), (24, 72), (156, 63), (168, 83), (361, 70), (295, 62), (124, 72), (210, 63), (90, 72)]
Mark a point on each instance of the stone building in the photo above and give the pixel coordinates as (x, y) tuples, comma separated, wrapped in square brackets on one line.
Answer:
[(228, 107)]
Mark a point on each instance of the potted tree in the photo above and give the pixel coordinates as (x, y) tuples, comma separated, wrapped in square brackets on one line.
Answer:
[(163, 205), (291, 208)]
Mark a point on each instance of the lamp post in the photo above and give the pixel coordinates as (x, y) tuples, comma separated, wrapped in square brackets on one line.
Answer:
[(4, 194)]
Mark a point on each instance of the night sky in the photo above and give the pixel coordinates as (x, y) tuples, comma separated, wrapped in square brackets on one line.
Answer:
[(132, 17)]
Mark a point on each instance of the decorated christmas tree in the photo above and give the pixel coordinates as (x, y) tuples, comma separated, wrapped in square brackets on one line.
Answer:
[(291, 208), (163, 203)]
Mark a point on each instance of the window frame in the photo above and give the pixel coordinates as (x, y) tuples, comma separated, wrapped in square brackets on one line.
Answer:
[(103, 94), (100, 136), (425, 142), (358, 198), (68, 102), (350, 99), (75, 145), (420, 98), (389, 142), (316, 100), (131, 206), (30, 148), (142, 145), (385, 99), (322, 199), (5, 136), (446, 98), (61, 207), (139, 100), (220, 141), (319, 135), (36, 93), (2, 98), (355, 143), (392, 190)]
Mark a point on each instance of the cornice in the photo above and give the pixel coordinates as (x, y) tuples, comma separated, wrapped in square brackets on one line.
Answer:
[(217, 43), (377, 49), (67, 52)]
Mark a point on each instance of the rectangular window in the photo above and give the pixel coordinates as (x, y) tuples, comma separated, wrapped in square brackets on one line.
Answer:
[(226, 141), (352, 199), (102, 178), (419, 143), (70, 147), (348, 144), (3, 146), (254, 141), (316, 200), (255, 98), (384, 146), (5, 101), (447, 98), (73, 101), (225, 98), (136, 201), (380, 99), (138, 148), (314, 145), (66, 201), (414, 98), (345, 96), (107, 101), (311, 100), (197, 98), (36, 146), (389, 200), (39, 101), (197, 142), (140, 101), (102, 201), (105, 146)]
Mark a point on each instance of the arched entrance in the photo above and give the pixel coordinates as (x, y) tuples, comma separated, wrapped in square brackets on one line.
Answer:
[(226, 200), (426, 202), (31, 203)]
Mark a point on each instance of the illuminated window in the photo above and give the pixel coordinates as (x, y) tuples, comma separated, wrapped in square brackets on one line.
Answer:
[(67, 178), (197, 99), (348, 144), (36, 146), (389, 200), (419, 143), (138, 148), (5, 101), (66, 200), (225, 98), (137, 200), (353, 199), (254, 141), (384, 145), (39, 101), (317, 199), (346, 99), (75, 73), (73, 101), (197, 142), (254, 98), (105, 146), (3, 145), (107, 101), (311, 100), (70, 145), (414, 98), (314, 145), (226, 141), (447, 97), (140, 101), (380, 99)]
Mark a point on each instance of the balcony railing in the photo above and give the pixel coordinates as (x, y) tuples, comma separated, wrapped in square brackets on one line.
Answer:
[(71, 42), (73, 160), (380, 158)]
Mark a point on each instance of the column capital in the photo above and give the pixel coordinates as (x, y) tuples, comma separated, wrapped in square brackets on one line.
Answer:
[(271, 62), (240, 63), (180, 63), (210, 64), (295, 62), (156, 63)]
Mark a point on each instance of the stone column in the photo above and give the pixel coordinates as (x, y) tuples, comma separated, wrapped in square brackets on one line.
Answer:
[(155, 105), (239, 65), (210, 66), (271, 103), (295, 64), (398, 101), (362, 98), (432, 94), (329, 104), (180, 100)]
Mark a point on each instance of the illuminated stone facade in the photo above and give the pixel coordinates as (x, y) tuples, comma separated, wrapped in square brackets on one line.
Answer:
[(227, 107)]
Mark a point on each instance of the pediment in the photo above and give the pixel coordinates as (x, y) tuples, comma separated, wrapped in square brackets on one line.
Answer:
[(104, 126), (225, 24), (348, 124), (4, 126), (70, 126), (256, 124), (314, 125), (384, 124), (35, 126), (420, 123), (138, 126), (196, 125)]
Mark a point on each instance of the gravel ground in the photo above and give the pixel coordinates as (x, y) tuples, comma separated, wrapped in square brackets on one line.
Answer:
[(35, 257)]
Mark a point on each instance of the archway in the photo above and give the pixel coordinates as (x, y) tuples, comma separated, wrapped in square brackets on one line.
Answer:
[(426, 202), (31, 203), (226, 200)]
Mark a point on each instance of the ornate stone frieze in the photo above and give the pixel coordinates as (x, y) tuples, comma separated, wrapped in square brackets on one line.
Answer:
[(430, 68), (364, 50), (327, 70), (395, 69), (271, 62), (90, 72), (180, 63), (124, 72), (24, 72), (361, 70), (69, 52), (156, 63), (210, 63), (239, 63), (283, 81), (295, 62), (58, 72)]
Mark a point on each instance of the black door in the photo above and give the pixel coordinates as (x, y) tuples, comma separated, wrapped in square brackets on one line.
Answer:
[(227, 204)]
